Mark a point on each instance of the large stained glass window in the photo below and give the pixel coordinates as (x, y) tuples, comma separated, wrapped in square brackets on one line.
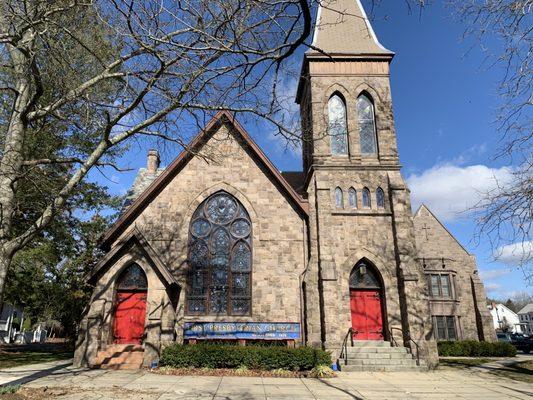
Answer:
[(337, 126), (220, 258), (367, 125)]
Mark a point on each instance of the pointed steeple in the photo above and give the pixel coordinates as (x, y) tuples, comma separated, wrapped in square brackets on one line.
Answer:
[(342, 27)]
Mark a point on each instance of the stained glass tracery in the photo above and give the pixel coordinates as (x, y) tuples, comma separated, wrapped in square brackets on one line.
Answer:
[(367, 125), (337, 125), (220, 257), (132, 278)]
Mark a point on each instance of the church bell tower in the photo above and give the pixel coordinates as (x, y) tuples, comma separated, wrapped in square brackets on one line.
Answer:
[(360, 212)]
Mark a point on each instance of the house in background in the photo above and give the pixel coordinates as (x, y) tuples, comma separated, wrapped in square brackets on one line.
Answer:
[(505, 319), (526, 319), (11, 320)]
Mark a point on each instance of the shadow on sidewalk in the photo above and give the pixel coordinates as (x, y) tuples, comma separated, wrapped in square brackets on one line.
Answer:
[(37, 374)]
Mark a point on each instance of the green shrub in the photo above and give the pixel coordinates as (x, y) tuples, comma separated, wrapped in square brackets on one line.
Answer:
[(253, 357), (472, 348)]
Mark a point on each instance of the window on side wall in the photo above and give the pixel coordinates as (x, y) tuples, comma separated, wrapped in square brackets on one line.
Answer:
[(440, 286), (445, 328)]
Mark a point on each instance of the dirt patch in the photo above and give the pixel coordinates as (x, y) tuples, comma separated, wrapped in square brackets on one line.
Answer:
[(58, 393)]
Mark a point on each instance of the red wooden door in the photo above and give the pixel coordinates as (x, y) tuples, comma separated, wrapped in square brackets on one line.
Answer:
[(367, 321), (130, 315)]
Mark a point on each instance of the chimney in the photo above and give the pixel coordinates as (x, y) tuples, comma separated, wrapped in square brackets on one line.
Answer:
[(152, 164)]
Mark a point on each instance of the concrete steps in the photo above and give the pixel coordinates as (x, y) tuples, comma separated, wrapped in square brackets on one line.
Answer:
[(368, 355), (120, 356)]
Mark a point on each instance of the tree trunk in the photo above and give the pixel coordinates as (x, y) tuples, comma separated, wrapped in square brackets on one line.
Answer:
[(5, 262), (12, 156)]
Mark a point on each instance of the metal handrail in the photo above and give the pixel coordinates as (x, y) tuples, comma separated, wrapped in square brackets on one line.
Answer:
[(344, 351), (410, 340)]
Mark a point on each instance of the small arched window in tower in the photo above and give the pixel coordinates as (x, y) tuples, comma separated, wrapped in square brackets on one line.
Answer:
[(380, 198), (337, 125), (367, 125), (366, 198), (352, 198), (339, 200)]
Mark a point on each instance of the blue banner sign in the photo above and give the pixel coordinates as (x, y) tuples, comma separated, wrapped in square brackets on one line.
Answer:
[(242, 330)]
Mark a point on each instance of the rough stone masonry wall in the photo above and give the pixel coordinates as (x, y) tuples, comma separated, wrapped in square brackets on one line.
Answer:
[(278, 230), (435, 245)]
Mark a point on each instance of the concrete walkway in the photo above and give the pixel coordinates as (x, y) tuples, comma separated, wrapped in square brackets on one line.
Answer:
[(68, 383)]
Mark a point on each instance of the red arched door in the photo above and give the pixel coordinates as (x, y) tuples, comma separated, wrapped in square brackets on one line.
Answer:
[(366, 303), (130, 309)]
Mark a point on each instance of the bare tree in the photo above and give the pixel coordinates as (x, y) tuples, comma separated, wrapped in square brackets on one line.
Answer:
[(505, 214), (156, 66)]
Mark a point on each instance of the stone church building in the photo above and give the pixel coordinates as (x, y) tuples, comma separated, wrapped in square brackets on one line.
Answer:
[(220, 245)]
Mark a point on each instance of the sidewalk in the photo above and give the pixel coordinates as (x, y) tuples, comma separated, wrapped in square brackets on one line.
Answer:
[(78, 384)]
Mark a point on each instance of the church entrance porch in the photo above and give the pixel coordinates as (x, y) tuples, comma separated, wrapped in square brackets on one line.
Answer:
[(366, 303)]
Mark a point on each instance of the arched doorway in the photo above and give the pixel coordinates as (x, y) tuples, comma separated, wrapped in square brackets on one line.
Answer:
[(130, 310), (366, 302)]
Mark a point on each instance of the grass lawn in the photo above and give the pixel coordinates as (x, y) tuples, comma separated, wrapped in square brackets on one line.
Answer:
[(462, 362), (520, 371), (14, 359)]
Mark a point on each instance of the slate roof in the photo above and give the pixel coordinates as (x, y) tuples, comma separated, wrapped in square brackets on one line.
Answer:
[(342, 27), (526, 309)]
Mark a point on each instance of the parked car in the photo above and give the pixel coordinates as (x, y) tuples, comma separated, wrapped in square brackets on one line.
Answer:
[(503, 337), (522, 342)]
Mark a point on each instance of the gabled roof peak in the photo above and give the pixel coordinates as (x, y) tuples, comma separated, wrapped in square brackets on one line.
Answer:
[(342, 27)]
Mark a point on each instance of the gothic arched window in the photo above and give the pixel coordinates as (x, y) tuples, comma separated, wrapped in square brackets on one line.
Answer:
[(339, 200), (366, 198), (367, 125), (132, 278), (220, 257), (337, 128), (352, 197), (380, 198)]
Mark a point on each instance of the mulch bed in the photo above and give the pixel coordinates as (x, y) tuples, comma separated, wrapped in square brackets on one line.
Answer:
[(231, 372)]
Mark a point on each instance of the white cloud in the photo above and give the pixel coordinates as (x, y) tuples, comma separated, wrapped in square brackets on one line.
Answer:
[(494, 273), (515, 254), (492, 287), (449, 190)]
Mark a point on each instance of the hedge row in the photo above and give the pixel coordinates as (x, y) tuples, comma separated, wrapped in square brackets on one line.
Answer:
[(254, 357), (472, 348)]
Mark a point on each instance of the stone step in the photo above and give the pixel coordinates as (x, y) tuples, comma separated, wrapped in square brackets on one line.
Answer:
[(382, 362), (120, 356), (369, 343), (120, 348), (360, 350), (361, 356), (380, 368)]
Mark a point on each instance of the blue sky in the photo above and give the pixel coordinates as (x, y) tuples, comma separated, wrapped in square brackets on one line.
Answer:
[(445, 100)]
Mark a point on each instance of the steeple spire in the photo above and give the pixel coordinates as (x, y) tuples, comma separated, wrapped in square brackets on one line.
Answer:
[(342, 27)]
